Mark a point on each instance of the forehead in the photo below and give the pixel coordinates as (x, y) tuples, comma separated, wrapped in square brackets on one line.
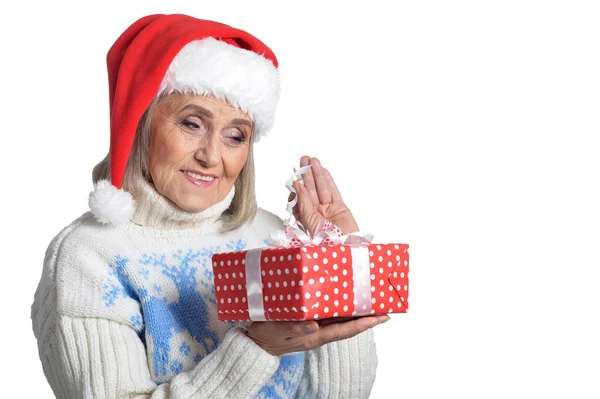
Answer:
[(176, 102)]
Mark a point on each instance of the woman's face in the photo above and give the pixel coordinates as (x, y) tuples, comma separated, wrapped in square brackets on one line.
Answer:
[(198, 147)]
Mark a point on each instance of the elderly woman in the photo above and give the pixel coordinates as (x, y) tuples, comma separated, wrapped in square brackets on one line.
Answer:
[(126, 302)]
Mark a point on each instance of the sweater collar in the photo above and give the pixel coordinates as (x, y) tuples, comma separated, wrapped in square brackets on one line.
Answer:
[(155, 210)]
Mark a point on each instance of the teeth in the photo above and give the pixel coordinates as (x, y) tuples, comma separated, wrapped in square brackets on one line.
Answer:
[(199, 177)]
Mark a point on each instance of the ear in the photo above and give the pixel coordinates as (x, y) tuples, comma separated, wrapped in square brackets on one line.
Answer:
[(109, 204)]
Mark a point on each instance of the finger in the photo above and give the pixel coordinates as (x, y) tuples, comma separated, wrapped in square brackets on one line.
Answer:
[(339, 331), (309, 180), (336, 196), (321, 182)]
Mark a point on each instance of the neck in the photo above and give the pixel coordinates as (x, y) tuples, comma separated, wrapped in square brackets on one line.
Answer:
[(154, 210)]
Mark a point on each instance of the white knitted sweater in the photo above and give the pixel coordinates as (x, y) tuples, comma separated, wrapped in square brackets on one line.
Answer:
[(129, 311)]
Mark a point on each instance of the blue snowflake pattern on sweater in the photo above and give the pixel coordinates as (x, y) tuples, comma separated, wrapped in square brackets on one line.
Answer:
[(177, 294)]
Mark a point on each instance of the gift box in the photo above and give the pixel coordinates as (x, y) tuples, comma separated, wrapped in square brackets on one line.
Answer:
[(311, 282)]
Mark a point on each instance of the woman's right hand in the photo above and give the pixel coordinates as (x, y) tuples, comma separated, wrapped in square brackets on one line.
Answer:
[(281, 337)]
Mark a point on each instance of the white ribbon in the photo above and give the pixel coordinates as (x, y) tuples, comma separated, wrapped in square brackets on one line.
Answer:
[(254, 286)]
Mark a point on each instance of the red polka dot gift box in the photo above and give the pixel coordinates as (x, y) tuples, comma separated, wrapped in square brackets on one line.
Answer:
[(311, 281)]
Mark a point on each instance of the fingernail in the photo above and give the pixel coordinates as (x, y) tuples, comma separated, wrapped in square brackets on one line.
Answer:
[(310, 328), (383, 318)]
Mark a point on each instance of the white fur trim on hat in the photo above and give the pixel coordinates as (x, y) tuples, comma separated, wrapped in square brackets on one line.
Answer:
[(245, 79), (109, 204)]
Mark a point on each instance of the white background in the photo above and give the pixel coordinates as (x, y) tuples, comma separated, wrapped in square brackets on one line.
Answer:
[(467, 129)]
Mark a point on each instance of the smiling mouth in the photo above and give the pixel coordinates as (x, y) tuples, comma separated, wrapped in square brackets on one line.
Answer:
[(198, 177)]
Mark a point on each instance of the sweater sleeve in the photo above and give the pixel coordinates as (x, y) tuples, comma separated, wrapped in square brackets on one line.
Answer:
[(341, 369), (100, 358)]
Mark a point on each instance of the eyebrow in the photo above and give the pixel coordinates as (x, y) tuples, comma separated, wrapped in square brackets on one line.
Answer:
[(209, 114)]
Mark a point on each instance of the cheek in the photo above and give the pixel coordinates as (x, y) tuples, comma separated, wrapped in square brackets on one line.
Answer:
[(234, 162)]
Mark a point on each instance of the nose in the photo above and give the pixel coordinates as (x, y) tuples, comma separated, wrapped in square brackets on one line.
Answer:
[(209, 151)]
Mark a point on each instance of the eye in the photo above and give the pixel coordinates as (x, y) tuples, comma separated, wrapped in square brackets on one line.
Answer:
[(235, 136), (194, 124)]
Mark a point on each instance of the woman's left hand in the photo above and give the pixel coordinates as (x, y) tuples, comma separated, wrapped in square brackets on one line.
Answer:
[(319, 199)]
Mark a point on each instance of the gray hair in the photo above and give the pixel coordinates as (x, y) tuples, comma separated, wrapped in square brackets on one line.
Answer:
[(243, 207)]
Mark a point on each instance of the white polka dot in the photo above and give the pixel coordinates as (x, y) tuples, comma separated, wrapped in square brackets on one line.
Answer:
[(233, 275), (235, 262), (396, 246), (304, 309), (381, 294), (405, 263), (345, 296), (226, 275), (316, 268), (379, 247), (311, 281), (281, 258), (316, 305), (219, 276), (321, 280), (323, 249), (336, 302), (293, 283), (232, 287), (316, 315), (380, 258), (402, 298), (391, 299), (389, 252), (406, 288), (289, 296), (372, 289), (289, 257), (315, 255), (243, 261), (285, 283), (305, 269), (265, 259), (228, 300), (335, 266), (326, 310), (398, 288), (243, 299), (300, 283), (281, 297), (318, 294), (344, 272), (343, 260), (391, 288), (335, 314), (215, 263), (295, 271), (389, 264), (222, 300), (334, 254), (298, 256), (297, 296), (287, 271), (335, 279), (277, 284), (266, 298), (382, 306), (279, 272), (370, 253), (229, 263), (274, 297), (264, 273), (222, 263), (381, 270), (335, 291), (343, 249), (372, 300), (395, 274), (218, 288), (224, 288), (237, 299), (401, 275), (274, 258), (372, 265), (325, 261), (239, 286), (345, 308), (345, 284), (399, 304), (304, 249), (355, 302)]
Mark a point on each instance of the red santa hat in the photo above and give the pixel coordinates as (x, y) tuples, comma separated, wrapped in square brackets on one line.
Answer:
[(166, 53)]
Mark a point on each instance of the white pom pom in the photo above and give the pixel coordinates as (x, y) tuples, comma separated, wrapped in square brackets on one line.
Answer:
[(109, 204)]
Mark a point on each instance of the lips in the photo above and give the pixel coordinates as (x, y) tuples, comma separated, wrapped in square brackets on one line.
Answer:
[(199, 179)]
